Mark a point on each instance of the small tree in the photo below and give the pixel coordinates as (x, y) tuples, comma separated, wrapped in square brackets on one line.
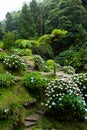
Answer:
[(9, 40)]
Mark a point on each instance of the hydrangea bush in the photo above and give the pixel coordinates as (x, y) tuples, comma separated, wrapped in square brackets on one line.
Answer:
[(39, 63), (69, 69), (81, 81), (64, 98), (35, 82), (14, 62)]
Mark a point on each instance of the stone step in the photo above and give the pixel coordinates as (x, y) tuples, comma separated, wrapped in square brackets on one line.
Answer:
[(41, 112), (29, 128), (29, 123), (33, 117)]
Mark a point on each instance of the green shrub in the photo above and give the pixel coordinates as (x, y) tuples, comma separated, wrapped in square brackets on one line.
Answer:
[(6, 80), (2, 55), (46, 69), (28, 52), (23, 44), (35, 82), (50, 63), (64, 99), (1, 44), (38, 62), (81, 81), (14, 62), (18, 51), (69, 69)]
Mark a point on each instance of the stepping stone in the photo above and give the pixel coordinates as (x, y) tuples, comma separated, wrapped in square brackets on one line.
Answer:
[(29, 123), (33, 117), (29, 128), (41, 112)]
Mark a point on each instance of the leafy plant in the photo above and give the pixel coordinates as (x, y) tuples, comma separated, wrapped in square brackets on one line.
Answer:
[(38, 62), (1, 44), (14, 62), (28, 52), (6, 80), (36, 83), (64, 99), (50, 63), (2, 55), (18, 51)]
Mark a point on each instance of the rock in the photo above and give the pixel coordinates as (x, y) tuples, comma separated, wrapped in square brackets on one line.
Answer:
[(29, 123), (41, 112), (33, 117)]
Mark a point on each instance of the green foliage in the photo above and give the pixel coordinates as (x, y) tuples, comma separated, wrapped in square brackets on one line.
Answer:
[(38, 62), (25, 44), (1, 31), (36, 84), (14, 62), (28, 52), (45, 39), (46, 69), (69, 69), (4, 112), (6, 80), (27, 28), (2, 55), (35, 80), (18, 51), (1, 44), (64, 98), (18, 42), (81, 81), (50, 63), (73, 57), (8, 40), (59, 33)]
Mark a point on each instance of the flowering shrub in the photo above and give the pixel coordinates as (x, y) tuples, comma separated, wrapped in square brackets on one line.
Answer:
[(81, 81), (69, 69), (6, 80), (35, 82), (14, 62), (64, 98), (39, 62)]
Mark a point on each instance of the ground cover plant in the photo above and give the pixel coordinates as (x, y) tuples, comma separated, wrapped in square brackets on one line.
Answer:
[(7, 80)]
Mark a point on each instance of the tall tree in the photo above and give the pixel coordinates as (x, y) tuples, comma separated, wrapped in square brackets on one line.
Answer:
[(34, 8), (69, 15), (27, 27), (1, 32), (9, 22)]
